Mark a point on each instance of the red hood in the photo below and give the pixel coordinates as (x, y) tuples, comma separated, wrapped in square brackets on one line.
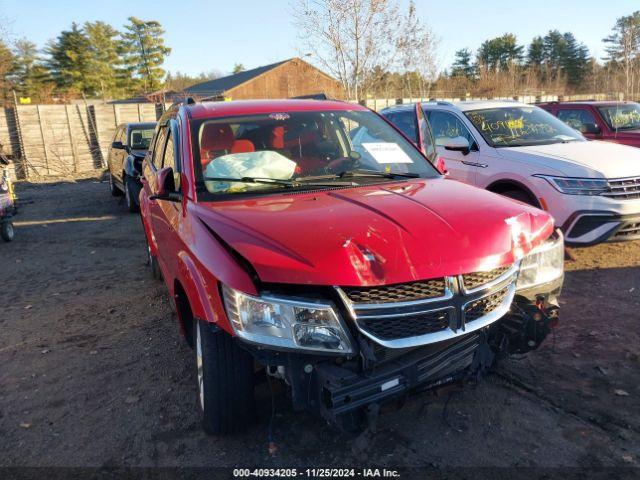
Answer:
[(376, 235)]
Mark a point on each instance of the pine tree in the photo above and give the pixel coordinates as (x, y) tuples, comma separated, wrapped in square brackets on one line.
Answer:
[(7, 65), (31, 78), (575, 60), (104, 59), (70, 61), (237, 68), (463, 65), (535, 53), (145, 51), (498, 53)]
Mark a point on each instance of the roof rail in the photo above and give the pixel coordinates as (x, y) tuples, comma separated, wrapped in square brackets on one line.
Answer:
[(313, 96)]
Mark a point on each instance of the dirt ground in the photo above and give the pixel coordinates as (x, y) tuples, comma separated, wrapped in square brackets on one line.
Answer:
[(94, 373)]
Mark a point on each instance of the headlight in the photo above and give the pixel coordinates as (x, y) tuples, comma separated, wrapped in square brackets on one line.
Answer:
[(285, 323), (543, 264), (577, 186)]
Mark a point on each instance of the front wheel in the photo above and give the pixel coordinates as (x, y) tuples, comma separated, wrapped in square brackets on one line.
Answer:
[(130, 189), (6, 231), (115, 191), (225, 381)]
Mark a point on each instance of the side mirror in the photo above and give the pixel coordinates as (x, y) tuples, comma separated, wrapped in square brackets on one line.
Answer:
[(118, 146), (591, 128), (166, 186), (457, 144)]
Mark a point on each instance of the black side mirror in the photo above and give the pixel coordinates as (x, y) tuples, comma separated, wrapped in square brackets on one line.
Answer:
[(166, 186), (591, 128), (118, 146)]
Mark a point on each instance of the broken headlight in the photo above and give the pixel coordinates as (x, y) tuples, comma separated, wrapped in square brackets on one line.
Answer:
[(543, 264), (286, 323)]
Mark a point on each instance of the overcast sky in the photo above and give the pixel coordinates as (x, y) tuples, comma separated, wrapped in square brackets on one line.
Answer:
[(215, 34)]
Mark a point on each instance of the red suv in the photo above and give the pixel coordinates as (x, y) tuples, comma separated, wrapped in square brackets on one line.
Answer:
[(312, 242), (617, 122)]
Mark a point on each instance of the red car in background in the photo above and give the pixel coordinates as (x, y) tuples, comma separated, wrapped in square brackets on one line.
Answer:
[(311, 242), (617, 122)]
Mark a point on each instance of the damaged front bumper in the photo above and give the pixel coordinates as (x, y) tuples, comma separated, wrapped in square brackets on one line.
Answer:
[(342, 390)]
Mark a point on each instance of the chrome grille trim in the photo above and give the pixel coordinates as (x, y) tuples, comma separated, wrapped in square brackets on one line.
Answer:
[(509, 273), (623, 188), (455, 303), (438, 284)]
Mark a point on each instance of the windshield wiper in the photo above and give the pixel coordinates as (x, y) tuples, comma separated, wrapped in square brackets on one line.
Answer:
[(376, 173), (360, 173), (277, 181)]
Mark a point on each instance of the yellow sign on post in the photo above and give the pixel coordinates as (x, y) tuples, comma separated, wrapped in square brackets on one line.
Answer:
[(24, 100)]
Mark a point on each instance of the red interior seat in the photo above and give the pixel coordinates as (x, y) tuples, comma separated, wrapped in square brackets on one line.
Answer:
[(217, 139), (243, 146)]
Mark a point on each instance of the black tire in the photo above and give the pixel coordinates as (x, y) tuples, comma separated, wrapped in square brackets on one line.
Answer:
[(152, 261), (130, 189), (521, 196), (6, 230), (115, 191), (225, 381)]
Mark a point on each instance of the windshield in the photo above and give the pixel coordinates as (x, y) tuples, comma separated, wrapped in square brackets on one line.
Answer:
[(140, 138), (519, 126), (623, 116), (267, 152)]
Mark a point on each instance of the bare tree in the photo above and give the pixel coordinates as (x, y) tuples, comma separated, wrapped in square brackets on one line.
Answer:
[(348, 38), (624, 47), (416, 47)]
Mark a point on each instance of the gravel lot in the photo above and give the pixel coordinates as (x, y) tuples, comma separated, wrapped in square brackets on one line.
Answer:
[(94, 373)]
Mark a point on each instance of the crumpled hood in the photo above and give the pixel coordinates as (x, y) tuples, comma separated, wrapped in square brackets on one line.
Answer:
[(593, 159), (376, 235)]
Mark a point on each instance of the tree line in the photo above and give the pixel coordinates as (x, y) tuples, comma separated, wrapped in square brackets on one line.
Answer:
[(373, 47), (376, 50), (93, 60)]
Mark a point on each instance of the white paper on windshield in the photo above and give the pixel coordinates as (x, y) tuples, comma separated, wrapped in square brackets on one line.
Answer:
[(383, 152)]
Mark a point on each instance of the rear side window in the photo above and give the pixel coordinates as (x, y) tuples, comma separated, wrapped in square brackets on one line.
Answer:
[(158, 148), (169, 160), (140, 138), (406, 123), (576, 118)]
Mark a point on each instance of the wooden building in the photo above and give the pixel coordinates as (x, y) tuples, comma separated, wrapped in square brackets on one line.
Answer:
[(285, 79)]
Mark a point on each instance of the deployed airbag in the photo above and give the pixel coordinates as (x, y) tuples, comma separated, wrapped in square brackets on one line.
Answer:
[(261, 164)]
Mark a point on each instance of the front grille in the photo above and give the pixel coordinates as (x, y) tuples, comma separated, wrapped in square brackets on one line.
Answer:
[(400, 292), (624, 188), (628, 231), (484, 306), (477, 279), (404, 327)]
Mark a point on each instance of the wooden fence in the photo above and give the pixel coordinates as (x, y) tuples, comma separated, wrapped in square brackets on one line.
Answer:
[(63, 140)]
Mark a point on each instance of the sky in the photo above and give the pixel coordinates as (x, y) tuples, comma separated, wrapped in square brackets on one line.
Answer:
[(214, 35)]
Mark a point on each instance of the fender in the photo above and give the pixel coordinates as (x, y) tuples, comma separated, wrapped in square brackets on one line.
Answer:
[(197, 293)]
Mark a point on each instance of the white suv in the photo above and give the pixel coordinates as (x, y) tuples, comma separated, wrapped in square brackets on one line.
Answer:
[(591, 188)]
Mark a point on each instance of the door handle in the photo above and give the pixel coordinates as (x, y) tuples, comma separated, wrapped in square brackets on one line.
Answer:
[(475, 164)]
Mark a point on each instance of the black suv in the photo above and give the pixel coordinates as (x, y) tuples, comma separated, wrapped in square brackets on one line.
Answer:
[(128, 149)]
